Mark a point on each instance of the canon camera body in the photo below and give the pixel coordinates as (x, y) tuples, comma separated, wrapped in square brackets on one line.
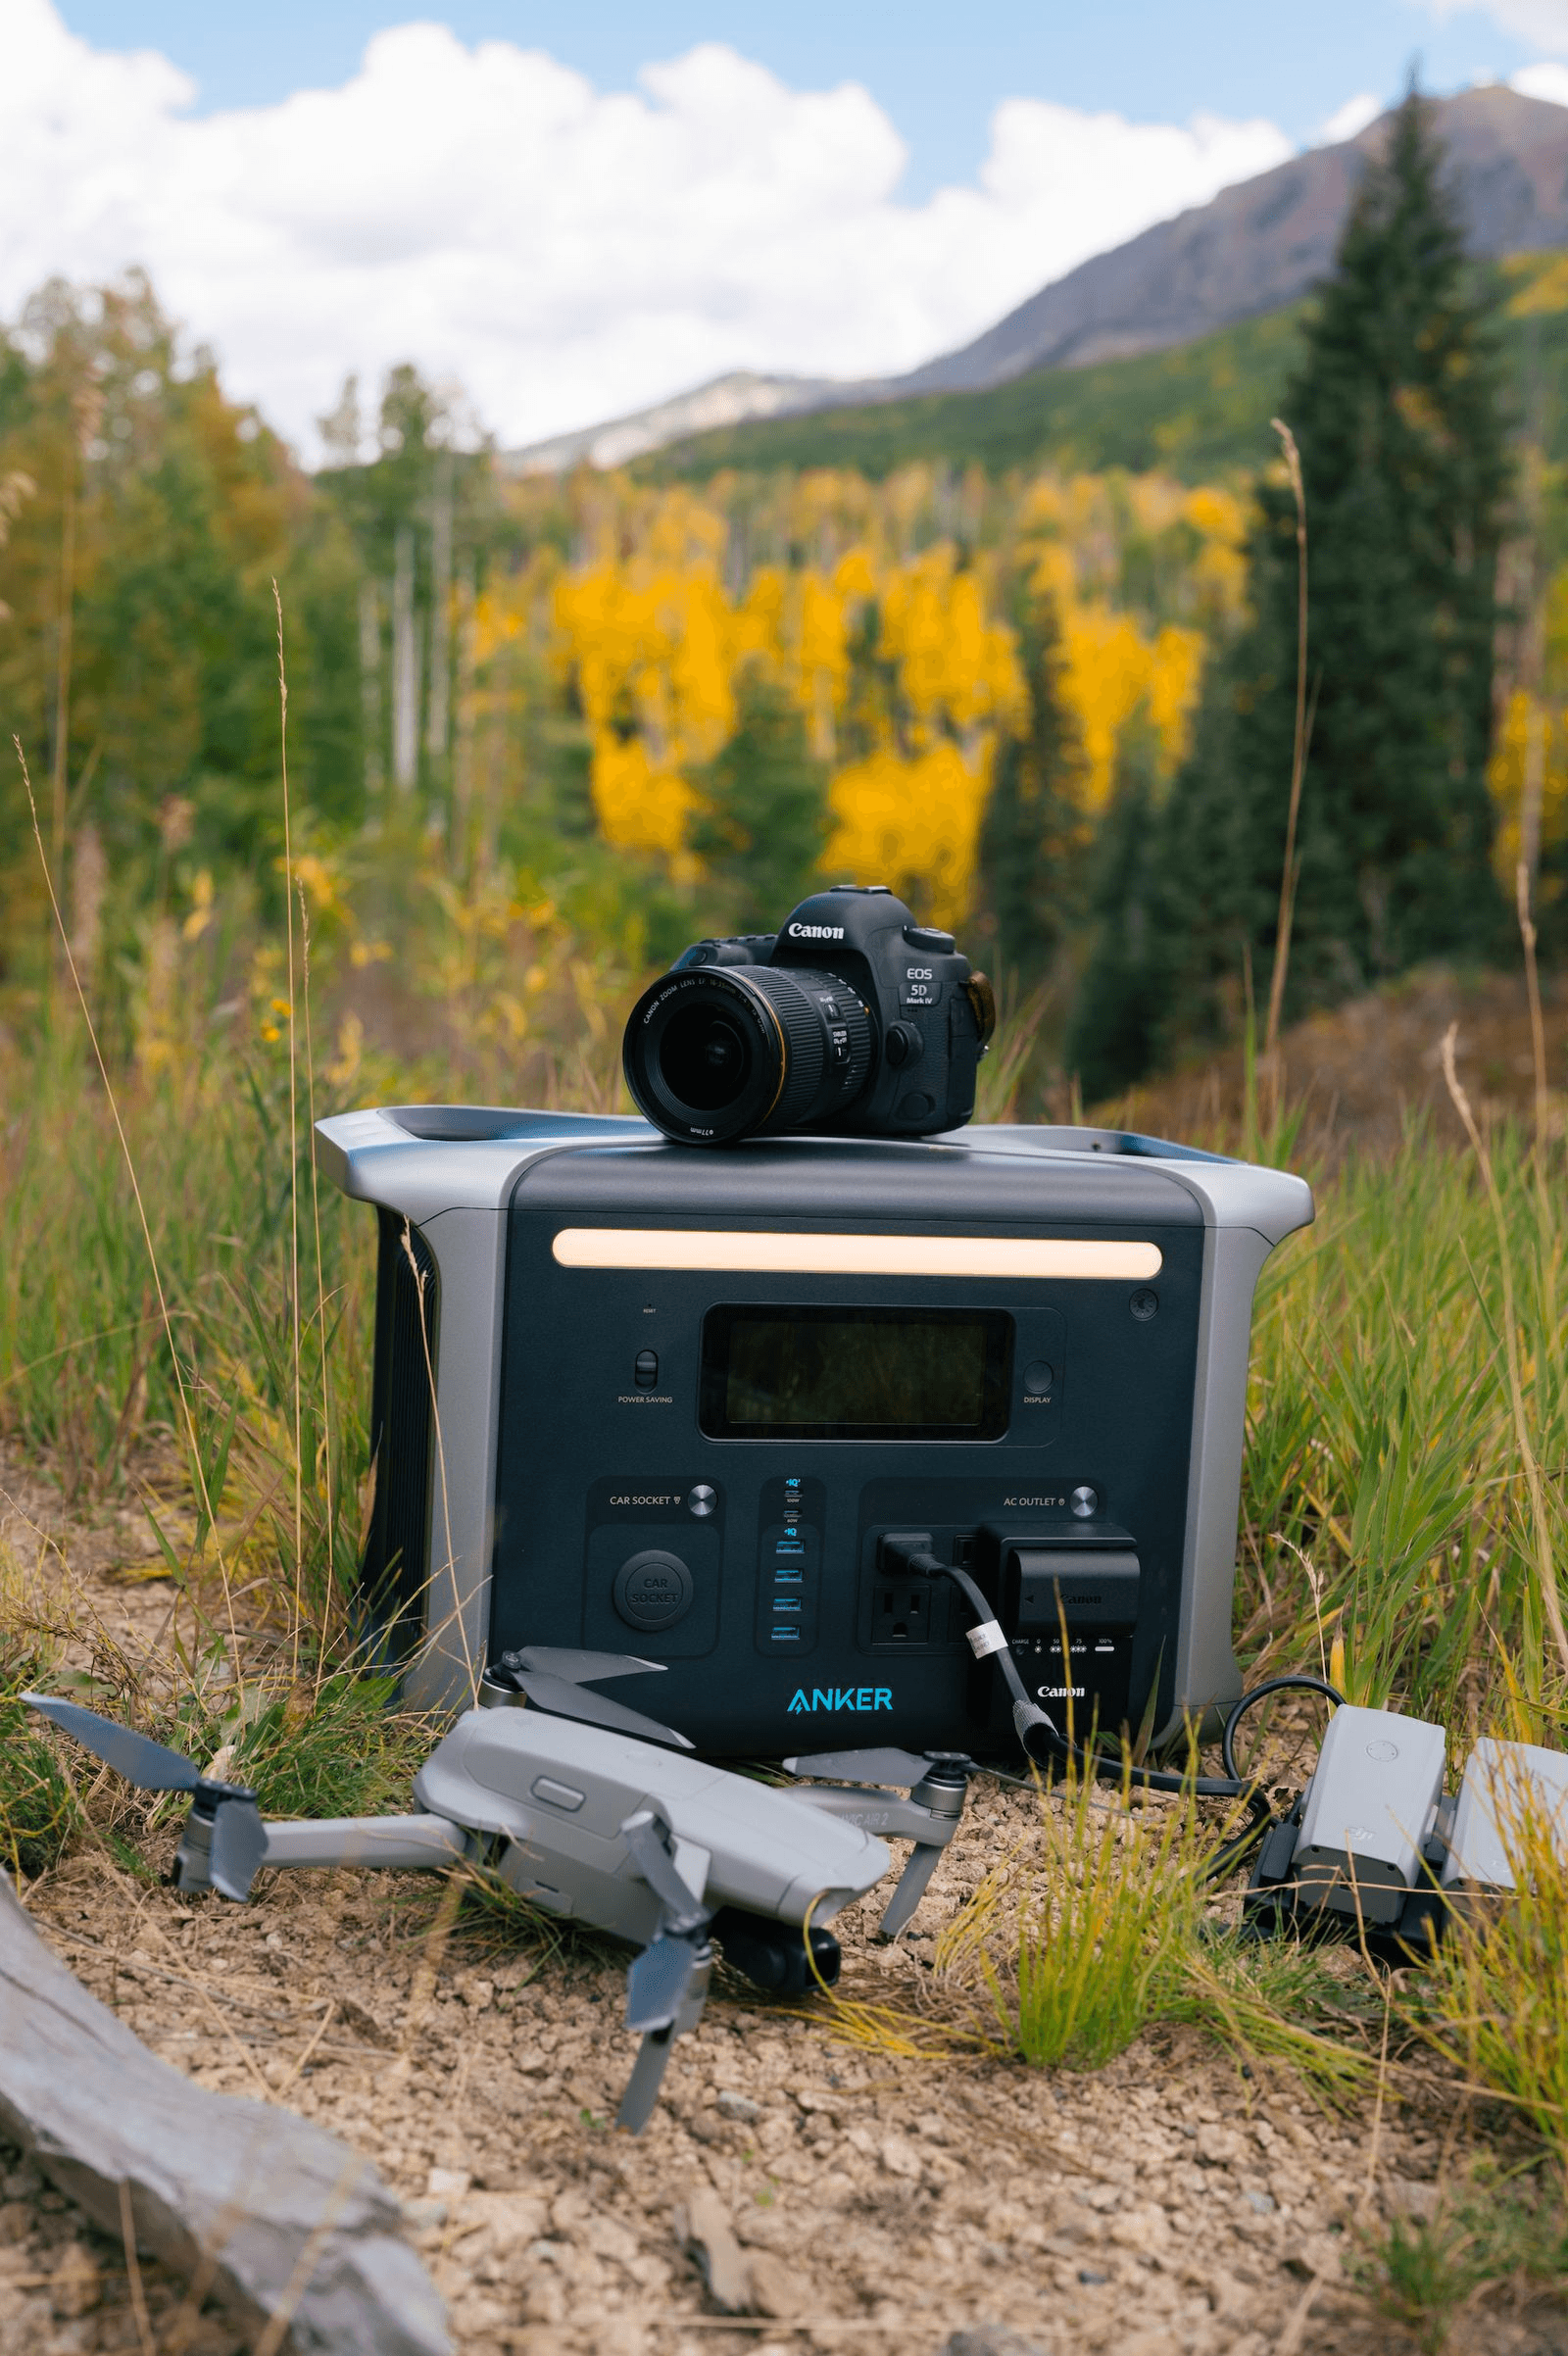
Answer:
[(851, 1021)]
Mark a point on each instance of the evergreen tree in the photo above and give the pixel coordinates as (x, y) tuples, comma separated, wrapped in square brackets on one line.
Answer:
[(1030, 844), (1396, 409), (1110, 1040), (763, 820)]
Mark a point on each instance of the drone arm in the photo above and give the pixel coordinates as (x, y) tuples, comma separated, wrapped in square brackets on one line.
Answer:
[(403, 1844), (886, 1813)]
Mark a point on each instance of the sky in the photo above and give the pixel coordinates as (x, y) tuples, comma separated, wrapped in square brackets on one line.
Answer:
[(573, 211)]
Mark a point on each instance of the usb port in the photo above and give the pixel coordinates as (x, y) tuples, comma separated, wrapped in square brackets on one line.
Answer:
[(787, 1604), (788, 1578), (786, 1636)]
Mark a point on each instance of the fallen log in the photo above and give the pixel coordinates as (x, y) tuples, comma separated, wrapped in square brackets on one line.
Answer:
[(292, 2227)]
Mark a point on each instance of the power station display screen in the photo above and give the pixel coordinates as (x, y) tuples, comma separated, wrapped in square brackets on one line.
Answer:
[(855, 1374)]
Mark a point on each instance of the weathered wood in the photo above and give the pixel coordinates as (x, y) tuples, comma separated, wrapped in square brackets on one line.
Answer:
[(290, 2221)]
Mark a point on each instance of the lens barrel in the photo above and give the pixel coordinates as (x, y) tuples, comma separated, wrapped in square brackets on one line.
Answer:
[(717, 1053)]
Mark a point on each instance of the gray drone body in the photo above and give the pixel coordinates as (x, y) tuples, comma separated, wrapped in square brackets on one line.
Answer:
[(559, 1794), (594, 1824)]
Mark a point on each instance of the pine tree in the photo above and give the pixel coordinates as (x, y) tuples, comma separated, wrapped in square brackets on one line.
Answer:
[(1397, 411), (1032, 839), (761, 820), (1113, 1034)]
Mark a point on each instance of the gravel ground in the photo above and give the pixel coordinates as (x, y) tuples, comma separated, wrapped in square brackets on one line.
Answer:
[(849, 2199)]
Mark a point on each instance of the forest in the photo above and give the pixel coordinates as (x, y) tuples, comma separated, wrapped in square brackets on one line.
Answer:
[(1197, 693), (608, 714)]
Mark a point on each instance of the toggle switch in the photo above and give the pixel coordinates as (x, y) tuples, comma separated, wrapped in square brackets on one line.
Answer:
[(645, 1369)]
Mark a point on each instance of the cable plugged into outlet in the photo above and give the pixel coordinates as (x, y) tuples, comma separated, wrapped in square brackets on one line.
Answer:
[(906, 1605)]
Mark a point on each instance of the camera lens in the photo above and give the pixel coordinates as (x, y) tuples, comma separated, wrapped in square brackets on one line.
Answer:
[(717, 1053), (702, 1060)]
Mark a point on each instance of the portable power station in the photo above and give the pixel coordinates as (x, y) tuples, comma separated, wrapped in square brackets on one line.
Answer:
[(680, 1406)]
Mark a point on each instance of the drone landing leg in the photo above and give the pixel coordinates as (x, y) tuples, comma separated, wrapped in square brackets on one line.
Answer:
[(648, 2076), (912, 1889)]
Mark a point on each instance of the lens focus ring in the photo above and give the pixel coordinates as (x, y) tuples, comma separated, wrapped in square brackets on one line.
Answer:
[(714, 1055), (827, 1035), (803, 1046)]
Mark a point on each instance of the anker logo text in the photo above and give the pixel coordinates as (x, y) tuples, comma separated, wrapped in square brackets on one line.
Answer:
[(842, 1697), (816, 932)]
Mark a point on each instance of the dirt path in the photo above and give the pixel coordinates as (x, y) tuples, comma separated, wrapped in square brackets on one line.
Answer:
[(1163, 2204)]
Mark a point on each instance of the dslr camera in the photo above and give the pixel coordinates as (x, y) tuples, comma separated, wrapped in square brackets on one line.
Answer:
[(851, 1021), (705, 1414)]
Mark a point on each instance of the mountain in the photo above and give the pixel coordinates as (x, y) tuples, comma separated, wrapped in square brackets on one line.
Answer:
[(732, 400), (1253, 249), (1263, 243)]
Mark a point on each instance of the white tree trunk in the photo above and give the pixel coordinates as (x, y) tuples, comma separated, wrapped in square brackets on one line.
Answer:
[(437, 718), (405, 666), (370, 686), (467, 697)]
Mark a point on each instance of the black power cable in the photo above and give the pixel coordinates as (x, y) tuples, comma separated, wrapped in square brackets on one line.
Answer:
[(1038, 1732), (1294, 1684)]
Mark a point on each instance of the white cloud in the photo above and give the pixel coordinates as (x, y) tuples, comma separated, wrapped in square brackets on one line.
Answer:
[(566, 253), (1543, 23), (1354, 116), (1548, 80)]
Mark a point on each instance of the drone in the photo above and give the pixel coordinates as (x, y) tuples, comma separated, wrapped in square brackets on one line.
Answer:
[(594, 1813)]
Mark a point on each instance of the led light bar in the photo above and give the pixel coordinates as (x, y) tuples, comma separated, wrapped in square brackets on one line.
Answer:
[(763, 1253)]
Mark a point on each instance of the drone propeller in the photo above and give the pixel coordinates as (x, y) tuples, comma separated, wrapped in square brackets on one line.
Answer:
[(887, 1766), (938, 1785), (224, 1841), (553, 1676), (666, 1986), (151, 1766)]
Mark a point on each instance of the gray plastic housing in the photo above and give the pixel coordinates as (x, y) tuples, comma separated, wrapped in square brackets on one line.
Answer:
[(1510, 1794), (1368, 1809), (560, 1791), (451, 1170)]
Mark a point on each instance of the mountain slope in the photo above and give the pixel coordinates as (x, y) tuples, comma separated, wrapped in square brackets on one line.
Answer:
[(1200, 410), (1260, 245), (1254, 249), (731, 400)]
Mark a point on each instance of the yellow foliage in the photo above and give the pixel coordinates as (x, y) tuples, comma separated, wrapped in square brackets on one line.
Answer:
[(913, 824), (1545, 287), (1507, 771), (951, 664), (859, 601), (1110, 668), (639, 808)]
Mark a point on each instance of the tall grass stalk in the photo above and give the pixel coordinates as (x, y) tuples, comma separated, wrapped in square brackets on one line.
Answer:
[(195, 1454), (1545, 1565), (1099, 1929), (293, 1127), (1494, 2001), (1287, 910), (1384, 1437), (315, 1229)]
